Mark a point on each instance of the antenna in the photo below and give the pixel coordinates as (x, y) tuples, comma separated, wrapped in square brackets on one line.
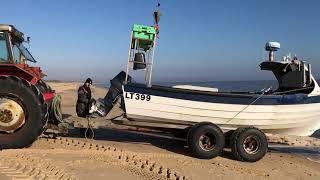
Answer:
[(272, 47)]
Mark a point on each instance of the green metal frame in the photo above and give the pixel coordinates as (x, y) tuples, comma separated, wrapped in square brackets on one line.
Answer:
[(142, 38)]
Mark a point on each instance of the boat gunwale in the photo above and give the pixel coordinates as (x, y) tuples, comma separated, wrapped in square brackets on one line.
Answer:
[(244, 94), (221, 97)]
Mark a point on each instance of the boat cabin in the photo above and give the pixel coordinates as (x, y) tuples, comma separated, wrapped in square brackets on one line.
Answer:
[(293, 75)]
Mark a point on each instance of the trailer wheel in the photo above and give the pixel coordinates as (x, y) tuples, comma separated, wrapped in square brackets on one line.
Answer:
[(206, 140), (23, 113), (249, 144)]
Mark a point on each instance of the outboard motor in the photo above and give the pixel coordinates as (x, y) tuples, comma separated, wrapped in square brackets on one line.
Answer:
[(106, 104)]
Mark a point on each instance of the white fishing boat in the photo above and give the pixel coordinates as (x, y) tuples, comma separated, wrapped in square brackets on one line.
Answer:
[(208, 116), (291, 109)]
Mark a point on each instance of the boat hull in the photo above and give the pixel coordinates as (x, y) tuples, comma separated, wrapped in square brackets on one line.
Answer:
[(285, 114)]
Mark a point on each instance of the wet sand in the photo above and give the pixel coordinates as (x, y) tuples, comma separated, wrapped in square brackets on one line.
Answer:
[(120, 155)]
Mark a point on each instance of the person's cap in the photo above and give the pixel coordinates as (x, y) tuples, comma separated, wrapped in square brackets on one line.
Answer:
[(89, 80)]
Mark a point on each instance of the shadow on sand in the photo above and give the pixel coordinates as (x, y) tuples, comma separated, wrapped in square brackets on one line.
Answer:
[(175, 146)]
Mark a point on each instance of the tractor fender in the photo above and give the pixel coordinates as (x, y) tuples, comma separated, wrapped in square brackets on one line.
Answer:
[(20, 71)]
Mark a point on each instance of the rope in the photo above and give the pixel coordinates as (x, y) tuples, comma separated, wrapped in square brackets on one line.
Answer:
[(263, 92), (56, 102), (44, 127), (56, 108), (293, 90), (89, 126)]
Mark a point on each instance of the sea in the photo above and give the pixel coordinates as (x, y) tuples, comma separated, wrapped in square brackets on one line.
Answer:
[(311, 153)]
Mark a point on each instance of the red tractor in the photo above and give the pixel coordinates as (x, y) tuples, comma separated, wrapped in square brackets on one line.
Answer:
[(27, 103)]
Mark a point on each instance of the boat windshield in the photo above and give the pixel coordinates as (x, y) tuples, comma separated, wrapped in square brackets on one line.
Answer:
[(25, 52)]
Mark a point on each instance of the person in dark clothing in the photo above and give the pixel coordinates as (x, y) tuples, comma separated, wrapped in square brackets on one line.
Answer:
[(84, 99)]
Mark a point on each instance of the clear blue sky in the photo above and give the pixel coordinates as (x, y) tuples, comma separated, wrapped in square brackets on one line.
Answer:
[(199, 40)]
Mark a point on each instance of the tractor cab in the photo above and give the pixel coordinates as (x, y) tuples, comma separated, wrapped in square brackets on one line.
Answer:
[(14, 55), (12, 49)]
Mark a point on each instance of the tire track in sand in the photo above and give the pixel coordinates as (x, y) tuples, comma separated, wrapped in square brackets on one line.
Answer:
[(22, 166), (128, 161)]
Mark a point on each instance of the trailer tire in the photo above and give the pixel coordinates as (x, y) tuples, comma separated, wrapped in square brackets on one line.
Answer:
[(205, 140), (249, 144)]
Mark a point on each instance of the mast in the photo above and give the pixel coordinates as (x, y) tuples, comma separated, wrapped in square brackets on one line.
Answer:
[(143, 41)]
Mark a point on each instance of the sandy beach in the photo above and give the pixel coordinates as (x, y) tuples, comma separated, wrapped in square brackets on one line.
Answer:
[(119, 155)]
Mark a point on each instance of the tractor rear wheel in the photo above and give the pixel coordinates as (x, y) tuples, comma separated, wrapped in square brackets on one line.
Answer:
[(23, 113)]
